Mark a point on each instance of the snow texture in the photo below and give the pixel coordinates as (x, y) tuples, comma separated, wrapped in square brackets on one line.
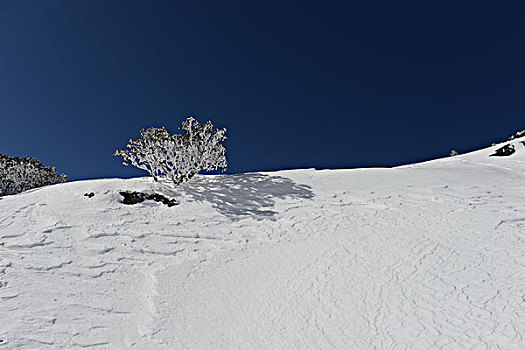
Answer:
[(423, 256)]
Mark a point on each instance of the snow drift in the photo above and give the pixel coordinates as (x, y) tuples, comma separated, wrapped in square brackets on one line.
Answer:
[(421, 256)]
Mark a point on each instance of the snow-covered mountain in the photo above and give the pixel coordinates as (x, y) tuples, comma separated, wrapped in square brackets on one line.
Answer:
[(422, 256)]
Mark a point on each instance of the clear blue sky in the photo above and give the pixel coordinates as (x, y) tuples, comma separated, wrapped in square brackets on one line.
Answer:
[(298, 84)]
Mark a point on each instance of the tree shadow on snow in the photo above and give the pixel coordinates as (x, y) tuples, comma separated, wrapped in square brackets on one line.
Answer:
[(245, 195)]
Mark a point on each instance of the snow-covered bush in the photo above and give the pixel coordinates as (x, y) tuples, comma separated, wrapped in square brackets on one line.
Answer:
[(177, 157), (22, 174)]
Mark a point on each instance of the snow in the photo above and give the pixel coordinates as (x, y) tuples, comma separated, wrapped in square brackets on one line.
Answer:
[(422, 256)]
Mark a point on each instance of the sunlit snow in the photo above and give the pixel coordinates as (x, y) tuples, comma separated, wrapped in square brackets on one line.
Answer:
[(422, 256)]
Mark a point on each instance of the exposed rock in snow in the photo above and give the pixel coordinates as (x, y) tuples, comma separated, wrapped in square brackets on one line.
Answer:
[(504, 151), (139, 197), (421, 256)]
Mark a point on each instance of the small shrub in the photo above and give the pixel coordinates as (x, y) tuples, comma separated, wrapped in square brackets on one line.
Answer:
[(177, 158), (18, 174)]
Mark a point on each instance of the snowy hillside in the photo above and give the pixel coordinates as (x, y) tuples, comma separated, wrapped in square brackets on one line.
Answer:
[(423, 256)]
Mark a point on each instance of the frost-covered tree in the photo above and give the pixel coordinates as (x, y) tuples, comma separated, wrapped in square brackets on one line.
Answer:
[(18, 174), (177, 158)]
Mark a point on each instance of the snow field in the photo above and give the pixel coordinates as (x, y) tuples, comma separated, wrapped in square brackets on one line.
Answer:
[(422, 256)]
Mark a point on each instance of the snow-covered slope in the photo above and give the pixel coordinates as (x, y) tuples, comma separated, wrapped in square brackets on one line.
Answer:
[(423, 256)]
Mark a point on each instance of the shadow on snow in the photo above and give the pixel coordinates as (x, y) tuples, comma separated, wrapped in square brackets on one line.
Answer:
[(245, 195)]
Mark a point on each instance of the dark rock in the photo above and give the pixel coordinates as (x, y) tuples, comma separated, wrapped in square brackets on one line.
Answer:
[(132, 197), (504, 151), (139, 197), (163, 199), (89, 195)]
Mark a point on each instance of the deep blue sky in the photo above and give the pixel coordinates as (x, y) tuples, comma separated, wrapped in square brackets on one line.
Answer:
[(298, 84)]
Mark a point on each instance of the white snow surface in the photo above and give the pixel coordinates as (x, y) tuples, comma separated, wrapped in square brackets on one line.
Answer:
[(423, 256)]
